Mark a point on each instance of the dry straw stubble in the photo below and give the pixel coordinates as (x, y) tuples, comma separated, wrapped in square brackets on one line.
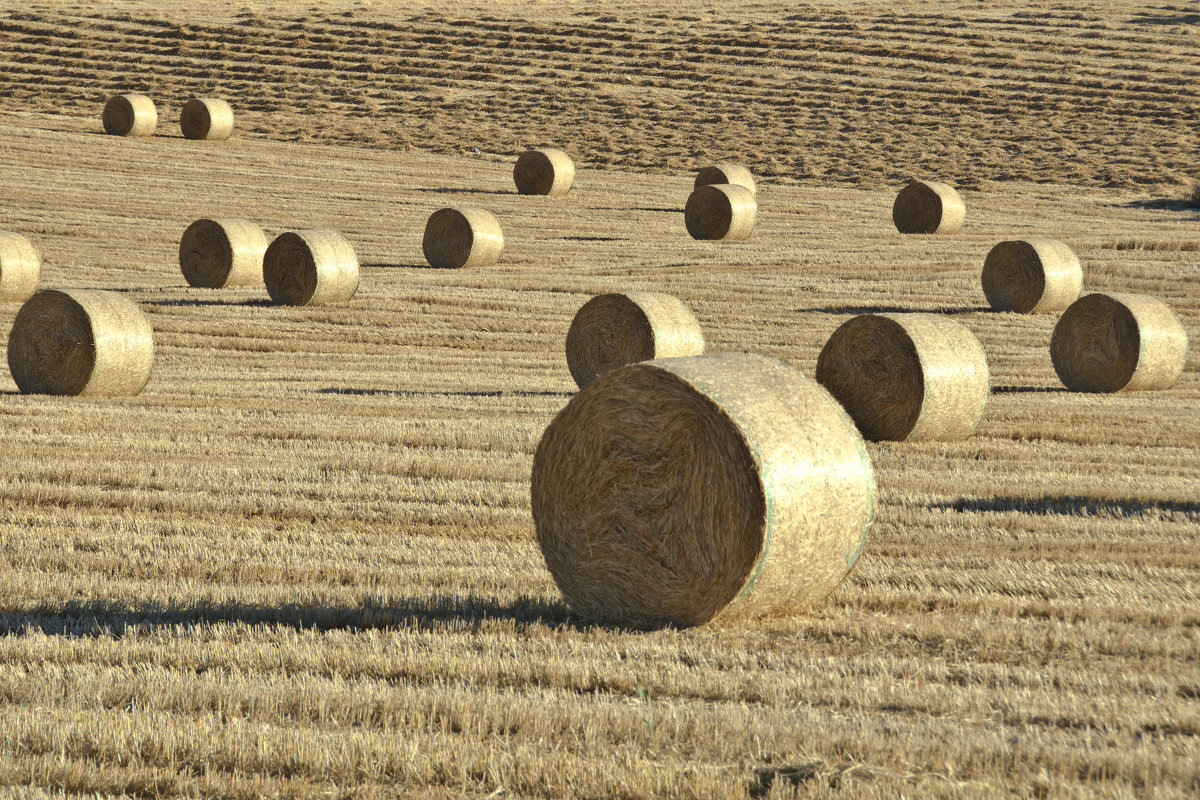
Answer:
[(20, 267), (676, 490), (462, 237), (215, 253), (310, 267), (548, 171), (1031, 276), (928, 207), (206, 118), (726, 173), (129, 115), (721, 211)]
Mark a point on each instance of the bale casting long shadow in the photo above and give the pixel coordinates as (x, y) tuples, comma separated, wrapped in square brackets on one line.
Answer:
[(1071, 505)]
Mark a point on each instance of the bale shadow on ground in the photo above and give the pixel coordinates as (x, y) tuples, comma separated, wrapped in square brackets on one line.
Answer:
[(256, 301), (1161, 204), (1028, 389), (349, 390), (452, 190), (386, 265), (890, 310), (1071, 505)]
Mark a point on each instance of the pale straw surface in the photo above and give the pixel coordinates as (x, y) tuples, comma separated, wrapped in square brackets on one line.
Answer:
[(726, 173), (215, 253), (928, 207), (1032, 276), (462, 237), (206, 118), (129, 115), (20, 267), (310, 267), (721, 211), (548, 171)]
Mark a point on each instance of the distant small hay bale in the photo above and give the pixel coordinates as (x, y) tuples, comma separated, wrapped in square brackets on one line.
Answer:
[(612, 330), (310, 267), (1031, 276), (721, 211), (80, 342), (928, 207), (668, 492), (735, 174), (907, 377), (215, 253), (20, 267), (462, 237), (206, 118), (129, 115), (548, 171), (1114, 342)]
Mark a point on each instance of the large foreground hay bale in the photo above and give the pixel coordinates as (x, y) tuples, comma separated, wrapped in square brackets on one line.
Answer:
[(672, 491), (726, 173), (80, 342), (129, 115), (1114, 342), (206, 118), (1031, 276), (20, 267), (907, 377), (215, 253), (612, 330), (722, 211), (310, 267), (462, 237), (548, 171), (928, 207)]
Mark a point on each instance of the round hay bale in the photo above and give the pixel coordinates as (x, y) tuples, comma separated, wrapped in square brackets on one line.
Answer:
[(215, 253), (671, 491), (907, 377), (80, 342), (721, 211), (462, 237), (206, 118), (311, 267), (726, 173), (928, 207), (548, 171), (612, 330), (1031, 276), (1115, 342), (129, 115), (20, 267)]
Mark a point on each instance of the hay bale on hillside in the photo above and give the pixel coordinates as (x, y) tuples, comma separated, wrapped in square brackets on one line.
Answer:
[(1114, 342), (215, 253), (721, 211), (928, 207), (735, 174), (310, 267), (129, 115), (907, 377), (206, 118), (20, 267), (548, 171), (612, 330), (1030, 276), (80, 342), (462, 237), (672, 491)]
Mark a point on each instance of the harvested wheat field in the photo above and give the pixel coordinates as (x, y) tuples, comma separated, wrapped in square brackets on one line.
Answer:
[(302, 562)]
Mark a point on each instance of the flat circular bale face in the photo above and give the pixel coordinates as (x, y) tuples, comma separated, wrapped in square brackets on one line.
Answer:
[(1013, 277), (290, 270), (1096, 345), (129, 115), (708, 214), (534, 173), (195, 121), (51, 348), (448, 239), (917, 209), (608, 332), (205, 254)]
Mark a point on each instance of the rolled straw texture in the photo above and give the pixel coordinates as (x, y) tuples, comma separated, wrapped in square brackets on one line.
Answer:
[(80, 342), (1115, 342), (907, 377), (676, 490), (612, 330), (129, 115), (1032, 276), (206, 118), (20, 267), (726, 173), (928, 207), (215, 253), (548, 171), (721, 211), (462, 237), (310, 267)]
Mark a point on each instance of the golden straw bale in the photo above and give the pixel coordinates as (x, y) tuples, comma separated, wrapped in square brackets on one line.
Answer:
[(928, 207), (671, 491), (462, 237), (548, 171), (80, 342), (129, 115), (1114, 342), (310, 267), (907, 377), (612, 330), (206, 118), (1031, 276), (721, 211), (215, 253), (20, 267), (726, 173)]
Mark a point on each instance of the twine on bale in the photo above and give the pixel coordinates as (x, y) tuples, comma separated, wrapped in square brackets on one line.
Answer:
[(206, 118), (215, 253), (310, 267), (20, 267), (612, 330), (928, 207), (676, 490), (462, 237), (907, 377), (726, 173), (1031, 276), (1114, 342), (548, 171), (721, 211), (129, 115), (80, 342)]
